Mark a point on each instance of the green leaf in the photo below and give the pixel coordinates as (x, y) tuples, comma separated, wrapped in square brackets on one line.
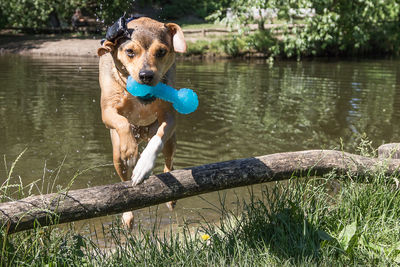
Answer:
[(324, 235), (397, 259), (347, 236)]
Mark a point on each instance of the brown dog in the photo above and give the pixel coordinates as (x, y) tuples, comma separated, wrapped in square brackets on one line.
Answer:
[(144, 49)]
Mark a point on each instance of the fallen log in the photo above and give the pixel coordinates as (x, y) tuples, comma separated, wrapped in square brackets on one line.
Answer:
[(119, 197)]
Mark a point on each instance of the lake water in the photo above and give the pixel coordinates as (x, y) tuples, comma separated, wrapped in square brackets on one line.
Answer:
[(50, 106)]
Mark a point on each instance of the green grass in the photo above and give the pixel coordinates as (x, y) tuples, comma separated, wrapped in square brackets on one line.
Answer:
[(200, 26), (307, 221), (202, 47), (234, 45)]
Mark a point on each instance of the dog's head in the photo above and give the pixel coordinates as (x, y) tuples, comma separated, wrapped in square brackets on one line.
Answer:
[(144, 48)]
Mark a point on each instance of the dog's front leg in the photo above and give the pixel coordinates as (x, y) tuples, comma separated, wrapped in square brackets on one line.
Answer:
[(124, 143), (148, 157), (124, 149)]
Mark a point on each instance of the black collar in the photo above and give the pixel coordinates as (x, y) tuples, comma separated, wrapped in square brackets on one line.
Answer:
[(118, 30)]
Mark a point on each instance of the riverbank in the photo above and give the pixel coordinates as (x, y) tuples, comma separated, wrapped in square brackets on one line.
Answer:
[(220, 46), (58, 45), (54, 45), (85, 45), (306, 222), (216, 42)]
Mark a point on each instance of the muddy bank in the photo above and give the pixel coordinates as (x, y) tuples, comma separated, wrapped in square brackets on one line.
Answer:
[(63, 45), (49, 45)]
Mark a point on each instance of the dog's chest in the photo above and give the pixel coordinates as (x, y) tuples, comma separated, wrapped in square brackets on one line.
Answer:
[(138, 113)]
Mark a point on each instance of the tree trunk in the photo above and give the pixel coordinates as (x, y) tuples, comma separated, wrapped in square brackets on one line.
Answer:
[(261, 25), (116, 198)]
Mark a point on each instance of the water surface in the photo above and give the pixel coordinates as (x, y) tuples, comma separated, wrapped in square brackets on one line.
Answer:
[(50, 105)]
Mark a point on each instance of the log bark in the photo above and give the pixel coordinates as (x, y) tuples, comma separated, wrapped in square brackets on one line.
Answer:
[(119, 197), (389, 151)]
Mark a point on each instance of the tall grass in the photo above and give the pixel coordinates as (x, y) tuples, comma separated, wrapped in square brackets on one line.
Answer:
[(317, 221)]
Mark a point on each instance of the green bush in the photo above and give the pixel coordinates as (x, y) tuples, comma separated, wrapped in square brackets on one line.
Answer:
[(340, 27), (352, 28), (36, 13), (177, 9), (197, 48), (263, 42), (234, 46)]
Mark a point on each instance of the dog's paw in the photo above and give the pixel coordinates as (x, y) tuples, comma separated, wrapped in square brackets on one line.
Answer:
[(147, 160), (130, 162), (128, 219), (128, 148), (142, 170), (171, 205)]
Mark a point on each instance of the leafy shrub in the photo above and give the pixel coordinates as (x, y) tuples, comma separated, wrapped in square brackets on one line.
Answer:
[(197, 48), (263, 42), (233, 47), (331, 27)]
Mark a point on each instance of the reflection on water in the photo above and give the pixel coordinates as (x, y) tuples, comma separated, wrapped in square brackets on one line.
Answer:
[(248, 109), (50, 105)]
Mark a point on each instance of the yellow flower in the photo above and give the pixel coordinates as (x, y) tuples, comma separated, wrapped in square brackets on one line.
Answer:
[(205, 237)]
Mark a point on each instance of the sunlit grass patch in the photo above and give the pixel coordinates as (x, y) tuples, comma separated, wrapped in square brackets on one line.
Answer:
[(200, 26)]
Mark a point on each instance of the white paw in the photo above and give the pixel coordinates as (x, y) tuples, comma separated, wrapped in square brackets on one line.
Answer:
[(147, 160), (127, 219), (143, 169)]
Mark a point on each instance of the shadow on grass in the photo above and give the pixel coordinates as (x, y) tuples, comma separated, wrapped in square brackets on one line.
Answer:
[(287, 234), (277, 226)]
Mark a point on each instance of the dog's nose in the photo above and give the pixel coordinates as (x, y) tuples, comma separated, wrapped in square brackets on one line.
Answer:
[(146, 76)]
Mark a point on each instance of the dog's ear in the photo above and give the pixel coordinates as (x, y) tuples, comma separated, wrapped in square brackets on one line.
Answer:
[(177, 37), (105, 48)]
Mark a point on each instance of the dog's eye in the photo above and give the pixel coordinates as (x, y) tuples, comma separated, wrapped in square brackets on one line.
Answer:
[(129, 53), (161, 52)]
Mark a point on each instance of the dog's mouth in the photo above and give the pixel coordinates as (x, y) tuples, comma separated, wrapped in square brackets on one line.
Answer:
[(150, 83), (147, 99)]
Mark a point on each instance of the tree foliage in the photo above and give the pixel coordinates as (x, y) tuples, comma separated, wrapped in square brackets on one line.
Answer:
[(19, 13), (36, 13), (241, 13), (329, 27), (178, 9), (351, 27), (332, 27)]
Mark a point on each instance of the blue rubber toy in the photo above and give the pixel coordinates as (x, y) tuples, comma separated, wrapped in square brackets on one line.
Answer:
[(184, 101)]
